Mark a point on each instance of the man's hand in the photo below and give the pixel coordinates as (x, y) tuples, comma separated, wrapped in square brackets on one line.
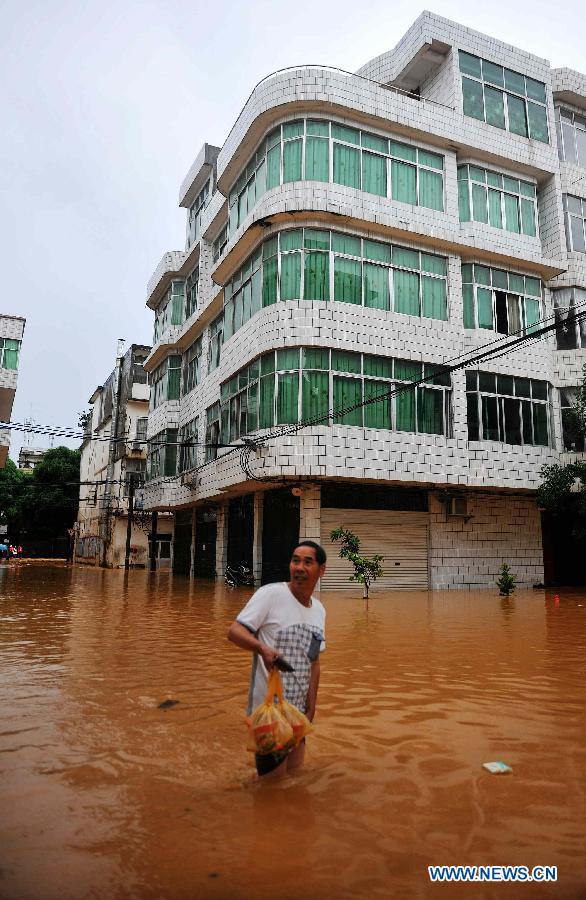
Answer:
[(268, 655)]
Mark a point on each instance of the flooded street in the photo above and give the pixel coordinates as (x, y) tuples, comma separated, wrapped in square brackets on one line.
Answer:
[(104, 795)]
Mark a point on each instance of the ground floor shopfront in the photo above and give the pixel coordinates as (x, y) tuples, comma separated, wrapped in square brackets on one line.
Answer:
[(429, 539)]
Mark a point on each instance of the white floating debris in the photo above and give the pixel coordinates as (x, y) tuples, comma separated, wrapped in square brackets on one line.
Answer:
[(497, 768)]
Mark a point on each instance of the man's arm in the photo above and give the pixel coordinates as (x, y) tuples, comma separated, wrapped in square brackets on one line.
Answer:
[(244, 638), (312, 692)]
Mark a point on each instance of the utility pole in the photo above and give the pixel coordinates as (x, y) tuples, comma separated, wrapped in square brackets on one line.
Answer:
[(129, 520), (107, 510)]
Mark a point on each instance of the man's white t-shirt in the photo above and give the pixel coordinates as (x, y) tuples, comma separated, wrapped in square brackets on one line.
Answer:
[(295, 631)]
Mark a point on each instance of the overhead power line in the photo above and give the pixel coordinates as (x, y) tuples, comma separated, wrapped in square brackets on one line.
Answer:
[(482, 354)]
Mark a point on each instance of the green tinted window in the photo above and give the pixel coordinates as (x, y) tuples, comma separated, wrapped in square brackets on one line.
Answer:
[(343, 133), (431, 190), (373, 142), (403, 182), (376, 286), (342, 361), (291, 240), (434, 299), (347, 400), (378, 366), (291, 276), (317, 159), (473, 98), (347, 280), (316, 359), (405, 410), (345, 243), (374, 250), (292, 160), (316, 276), (269, 282), (318, 127), (406, 290), (517, 115), (377, 414), (469, 64), (495, 107), (287, 398), (315, 395), (346, 166), (374, 174)]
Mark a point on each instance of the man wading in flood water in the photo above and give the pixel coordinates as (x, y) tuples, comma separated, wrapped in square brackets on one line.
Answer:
[(284, 620)]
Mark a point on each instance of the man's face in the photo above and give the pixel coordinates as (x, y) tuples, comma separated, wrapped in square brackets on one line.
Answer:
[(304, 567)]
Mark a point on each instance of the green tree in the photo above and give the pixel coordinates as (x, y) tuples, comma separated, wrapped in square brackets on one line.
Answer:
[(48, 504), (84, 420), (366, 568), (12, 487), (507, 581), (563, 493), (575, 417)]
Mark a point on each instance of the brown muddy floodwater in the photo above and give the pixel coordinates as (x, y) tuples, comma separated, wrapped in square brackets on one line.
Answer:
[(103, 795)]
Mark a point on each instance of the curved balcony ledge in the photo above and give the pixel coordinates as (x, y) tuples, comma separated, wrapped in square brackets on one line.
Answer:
[(370, 455), (331, 92), (176, 264), (337, 207), (311, 89), (569, 86), (161, 349), (166, 415), (170, 263)]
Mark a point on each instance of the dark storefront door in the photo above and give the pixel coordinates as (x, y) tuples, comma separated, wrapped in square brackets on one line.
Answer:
[(204, 563), (241, 531), (280, 533), (182, 543)]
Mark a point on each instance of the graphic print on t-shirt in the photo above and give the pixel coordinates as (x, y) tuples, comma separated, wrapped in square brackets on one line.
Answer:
[(299, 645)]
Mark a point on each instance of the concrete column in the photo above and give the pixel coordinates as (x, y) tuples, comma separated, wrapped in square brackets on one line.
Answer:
[(310, 513), (221, 541), (257, 545)]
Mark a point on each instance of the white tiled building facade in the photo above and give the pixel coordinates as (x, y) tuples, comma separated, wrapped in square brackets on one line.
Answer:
[(353, 232), (11, 332), (119, 410)]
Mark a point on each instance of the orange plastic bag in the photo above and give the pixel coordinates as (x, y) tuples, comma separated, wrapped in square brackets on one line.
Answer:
[(269, 730), (297, 720)]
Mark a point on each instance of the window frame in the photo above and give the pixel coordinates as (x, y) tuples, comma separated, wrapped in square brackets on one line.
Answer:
[(470, 181), (569, 217), (309, 243), (501, 397), (506, 91), (511, 290), (340, 365), (238, 197)]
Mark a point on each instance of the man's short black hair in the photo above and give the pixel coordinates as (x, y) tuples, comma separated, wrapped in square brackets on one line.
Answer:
[(320, 553)]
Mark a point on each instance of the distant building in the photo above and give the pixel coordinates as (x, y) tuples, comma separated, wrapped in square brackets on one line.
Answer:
[(114, 451), (29, 457), (11, 331)]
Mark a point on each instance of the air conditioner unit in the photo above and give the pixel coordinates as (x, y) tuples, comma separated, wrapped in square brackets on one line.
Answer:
[(457, 506)]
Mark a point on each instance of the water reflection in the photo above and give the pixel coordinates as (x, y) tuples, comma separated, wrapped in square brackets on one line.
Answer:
[(104, 794)]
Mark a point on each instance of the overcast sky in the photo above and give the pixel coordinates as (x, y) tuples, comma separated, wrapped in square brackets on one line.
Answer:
[(105, 105)]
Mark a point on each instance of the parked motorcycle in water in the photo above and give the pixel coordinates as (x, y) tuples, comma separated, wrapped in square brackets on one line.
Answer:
[(239, 576)]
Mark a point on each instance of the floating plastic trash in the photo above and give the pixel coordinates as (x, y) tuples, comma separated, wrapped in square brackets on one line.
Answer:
[(497, 768)]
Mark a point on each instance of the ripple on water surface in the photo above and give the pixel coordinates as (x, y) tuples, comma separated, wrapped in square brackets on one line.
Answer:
[(105, 794)]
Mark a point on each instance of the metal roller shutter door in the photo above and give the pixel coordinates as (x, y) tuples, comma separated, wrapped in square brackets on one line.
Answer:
[(400, 537)]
